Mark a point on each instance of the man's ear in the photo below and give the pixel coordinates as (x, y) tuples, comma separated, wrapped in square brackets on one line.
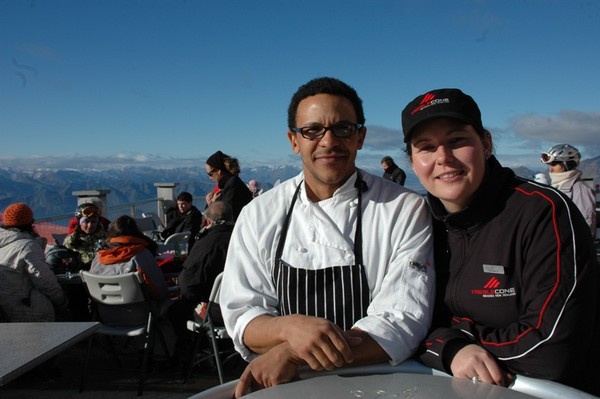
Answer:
[(362, 133), (293, 142)]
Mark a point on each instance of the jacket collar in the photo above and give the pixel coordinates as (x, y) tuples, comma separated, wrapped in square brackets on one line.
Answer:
[(482, 206)]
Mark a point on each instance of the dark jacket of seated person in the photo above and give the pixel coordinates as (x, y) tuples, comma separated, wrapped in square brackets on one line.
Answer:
[(207, 258)]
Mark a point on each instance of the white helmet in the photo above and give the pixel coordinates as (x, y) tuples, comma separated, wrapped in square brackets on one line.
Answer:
[(562, 153)]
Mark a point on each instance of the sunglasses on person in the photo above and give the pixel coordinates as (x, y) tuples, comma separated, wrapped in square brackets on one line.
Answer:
[(212, 172)]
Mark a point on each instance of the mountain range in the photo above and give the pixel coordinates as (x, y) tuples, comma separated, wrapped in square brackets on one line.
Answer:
[(50, 191)]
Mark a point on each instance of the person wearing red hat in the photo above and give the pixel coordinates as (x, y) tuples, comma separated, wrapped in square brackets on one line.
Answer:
[(29, 290)]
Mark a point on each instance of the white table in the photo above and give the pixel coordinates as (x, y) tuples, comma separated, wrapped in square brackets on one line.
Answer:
[(409, 379), (26, 345)]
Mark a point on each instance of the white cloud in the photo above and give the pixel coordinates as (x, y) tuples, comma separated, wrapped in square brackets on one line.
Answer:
[(580, 129)]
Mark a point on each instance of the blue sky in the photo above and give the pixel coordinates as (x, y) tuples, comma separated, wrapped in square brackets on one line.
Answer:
[(104, 83)]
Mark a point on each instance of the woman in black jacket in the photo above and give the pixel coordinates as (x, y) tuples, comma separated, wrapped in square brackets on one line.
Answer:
[(518, 284), (224, 170)]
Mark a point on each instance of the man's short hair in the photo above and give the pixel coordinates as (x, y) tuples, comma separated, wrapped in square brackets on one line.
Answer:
[(387, 159), (185, 197), (219, 210), (325, 85)]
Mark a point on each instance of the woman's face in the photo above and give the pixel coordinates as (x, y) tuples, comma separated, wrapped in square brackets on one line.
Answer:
[(556, 167), (449, 158), (89, 225), (213, 173)]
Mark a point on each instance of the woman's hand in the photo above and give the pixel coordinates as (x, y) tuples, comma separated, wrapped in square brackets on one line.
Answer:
[(474, 362)]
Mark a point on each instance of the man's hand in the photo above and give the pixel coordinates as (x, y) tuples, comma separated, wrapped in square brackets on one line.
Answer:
[(319, 342), (474, 361), (277, 366)]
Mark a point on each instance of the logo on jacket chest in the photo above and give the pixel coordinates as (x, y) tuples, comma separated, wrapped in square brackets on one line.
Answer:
[(493, 286)]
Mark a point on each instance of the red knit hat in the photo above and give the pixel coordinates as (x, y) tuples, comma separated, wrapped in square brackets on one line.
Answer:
[(18, 214)]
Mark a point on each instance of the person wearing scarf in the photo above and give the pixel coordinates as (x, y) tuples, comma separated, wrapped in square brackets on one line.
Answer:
[(129, 250)]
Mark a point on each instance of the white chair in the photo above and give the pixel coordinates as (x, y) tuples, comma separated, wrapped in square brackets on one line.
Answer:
[(125, 310), (182, 238), (215, 334)]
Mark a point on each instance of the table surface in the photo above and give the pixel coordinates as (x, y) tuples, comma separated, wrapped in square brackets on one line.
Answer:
[(27, 345), (387, 386)]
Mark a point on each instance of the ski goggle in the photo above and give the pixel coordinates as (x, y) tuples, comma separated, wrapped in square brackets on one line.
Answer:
[(548, 158), (89, 211)]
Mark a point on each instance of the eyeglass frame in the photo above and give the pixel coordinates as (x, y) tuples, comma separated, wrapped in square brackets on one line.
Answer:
[(344, 125)]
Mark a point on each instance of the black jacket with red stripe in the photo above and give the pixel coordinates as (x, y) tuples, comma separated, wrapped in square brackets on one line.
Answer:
[(517, 274)]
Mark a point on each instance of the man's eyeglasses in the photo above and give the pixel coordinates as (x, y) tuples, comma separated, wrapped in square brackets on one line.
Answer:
[(212, 172), (316, 132)]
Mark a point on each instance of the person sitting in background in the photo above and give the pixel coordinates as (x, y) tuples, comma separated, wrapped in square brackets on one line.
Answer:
[(255, 188), (186, 218), (391, 171), (207, 259), (29, 290), (129, 250), (224, 170), (86, 237), (562, 160), (87, 209), (204, 263)]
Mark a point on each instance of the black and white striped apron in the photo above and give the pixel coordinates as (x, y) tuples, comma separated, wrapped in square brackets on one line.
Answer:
[(339, 294)]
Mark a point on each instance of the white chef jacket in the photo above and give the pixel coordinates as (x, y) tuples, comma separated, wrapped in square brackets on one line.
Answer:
[(397, 252)]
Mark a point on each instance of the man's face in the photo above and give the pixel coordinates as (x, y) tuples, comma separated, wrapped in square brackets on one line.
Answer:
[(184, 206), (329, 161), (385, 165)]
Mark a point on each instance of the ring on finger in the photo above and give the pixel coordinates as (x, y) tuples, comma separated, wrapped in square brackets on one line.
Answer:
[(476, 379)]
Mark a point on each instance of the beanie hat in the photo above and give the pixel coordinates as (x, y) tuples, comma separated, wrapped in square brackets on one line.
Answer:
[(18, 214), (450, 103), (217, 160)]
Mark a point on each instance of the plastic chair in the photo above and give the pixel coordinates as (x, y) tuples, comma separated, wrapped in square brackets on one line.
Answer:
[(123, 308), (182, 238), (215, 334)]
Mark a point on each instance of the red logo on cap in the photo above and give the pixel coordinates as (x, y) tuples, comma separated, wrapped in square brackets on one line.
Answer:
[(425, 102)]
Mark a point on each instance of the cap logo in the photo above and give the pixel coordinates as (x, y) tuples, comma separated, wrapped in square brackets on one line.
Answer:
[(429, 100)]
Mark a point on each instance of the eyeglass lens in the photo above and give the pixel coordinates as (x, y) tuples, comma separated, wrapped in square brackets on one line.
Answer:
[(318, 131)]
